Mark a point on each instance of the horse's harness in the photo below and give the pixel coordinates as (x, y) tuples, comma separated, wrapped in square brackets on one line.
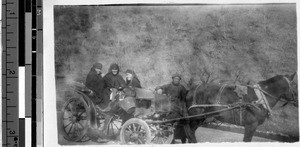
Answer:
[(262, 101), (257, 86)]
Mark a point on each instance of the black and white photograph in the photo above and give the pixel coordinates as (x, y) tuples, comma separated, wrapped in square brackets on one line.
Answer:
[(175, 73)]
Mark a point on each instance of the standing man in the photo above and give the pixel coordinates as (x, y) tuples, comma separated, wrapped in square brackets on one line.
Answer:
[(95, 82), (178, 109), (174, 89)]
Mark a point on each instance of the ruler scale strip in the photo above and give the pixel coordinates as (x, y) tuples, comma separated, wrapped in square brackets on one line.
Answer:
[(10, 57), (22, 120)]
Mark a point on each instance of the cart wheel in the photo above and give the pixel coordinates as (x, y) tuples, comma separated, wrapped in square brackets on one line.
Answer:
[(75, 120), (110, 125), (135, 131), (162, 134)]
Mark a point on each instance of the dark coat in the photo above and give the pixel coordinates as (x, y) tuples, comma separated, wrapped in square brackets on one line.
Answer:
[(113, 81), (135, 82), (178, 108), (177, 92), (178, 95), (96, 83)]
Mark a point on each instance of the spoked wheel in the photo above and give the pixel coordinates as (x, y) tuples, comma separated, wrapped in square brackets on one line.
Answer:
[(135, 131), (110, 125), (162, 134), (75, 120)]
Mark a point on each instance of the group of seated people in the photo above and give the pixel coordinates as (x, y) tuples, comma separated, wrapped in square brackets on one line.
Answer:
[(102, 89)]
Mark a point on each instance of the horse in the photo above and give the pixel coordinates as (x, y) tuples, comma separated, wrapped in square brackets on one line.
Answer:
[(213, 96)]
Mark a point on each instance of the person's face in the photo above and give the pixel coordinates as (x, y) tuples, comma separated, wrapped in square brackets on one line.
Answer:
[(98, 70), (114, 71), (176, 80), (129, 76)]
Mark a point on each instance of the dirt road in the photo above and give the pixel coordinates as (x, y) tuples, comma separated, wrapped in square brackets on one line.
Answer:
[(202, 135)]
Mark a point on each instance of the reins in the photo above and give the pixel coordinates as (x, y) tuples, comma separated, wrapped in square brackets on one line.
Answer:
[(194, 105)]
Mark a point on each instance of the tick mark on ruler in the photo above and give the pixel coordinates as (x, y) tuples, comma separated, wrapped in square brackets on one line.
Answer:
[(11, 17)]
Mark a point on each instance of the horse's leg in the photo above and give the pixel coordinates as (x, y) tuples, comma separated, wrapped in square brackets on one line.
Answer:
[(249, 131), (190, 130), (183, 139), (179, 133)]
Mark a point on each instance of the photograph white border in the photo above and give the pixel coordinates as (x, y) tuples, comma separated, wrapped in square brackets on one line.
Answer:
[(49, 91)]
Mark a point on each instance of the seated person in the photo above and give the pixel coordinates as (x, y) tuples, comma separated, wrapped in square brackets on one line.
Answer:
[(95, 82), (132, 81), (113, 82)]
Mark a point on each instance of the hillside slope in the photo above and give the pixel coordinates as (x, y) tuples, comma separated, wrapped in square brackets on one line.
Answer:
[(254, 41)]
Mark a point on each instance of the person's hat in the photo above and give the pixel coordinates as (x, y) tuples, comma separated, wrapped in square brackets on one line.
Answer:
[(129, 71), (176, 75), (114, 66), (97, 65)]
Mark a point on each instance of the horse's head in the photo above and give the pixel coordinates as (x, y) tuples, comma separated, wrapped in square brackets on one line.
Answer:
[(291, 96), (280, 86)]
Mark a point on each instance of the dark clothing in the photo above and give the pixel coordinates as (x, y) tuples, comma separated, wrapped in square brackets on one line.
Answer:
[(134, 83), (96, 83), (113, 81), (178, 108), (177, 92)]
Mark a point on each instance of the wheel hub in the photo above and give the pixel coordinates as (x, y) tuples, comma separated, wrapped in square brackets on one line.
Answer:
[(135, 135), (74, 118)]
